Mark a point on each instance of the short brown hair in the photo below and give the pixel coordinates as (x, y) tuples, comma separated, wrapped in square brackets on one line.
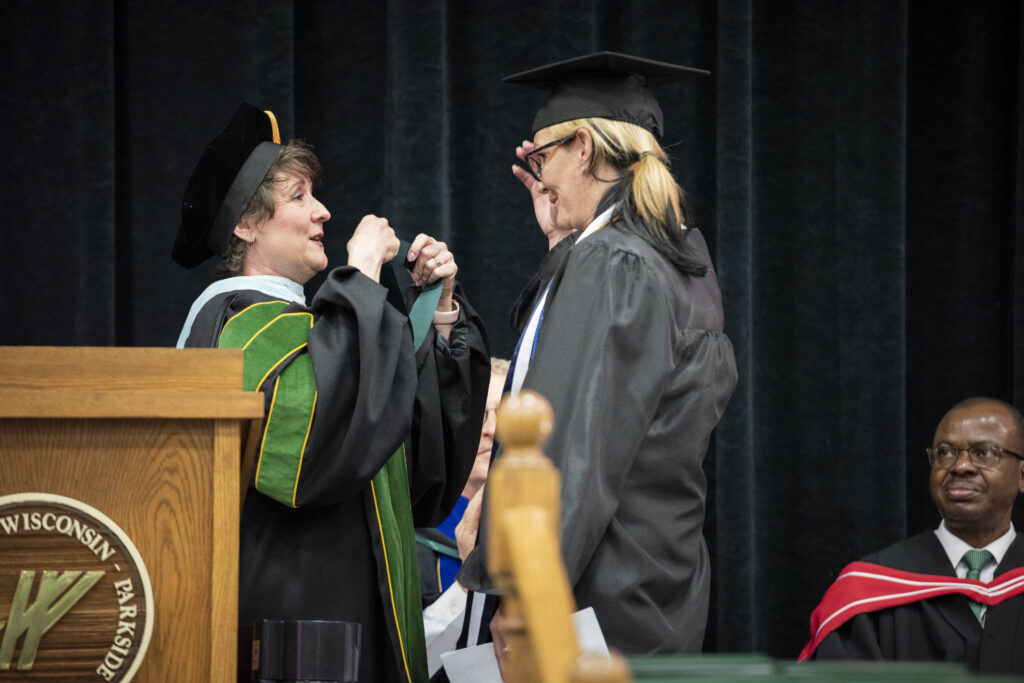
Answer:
[(295, 159)]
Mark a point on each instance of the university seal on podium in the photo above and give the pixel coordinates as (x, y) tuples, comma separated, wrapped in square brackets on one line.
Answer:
[(76, 603)]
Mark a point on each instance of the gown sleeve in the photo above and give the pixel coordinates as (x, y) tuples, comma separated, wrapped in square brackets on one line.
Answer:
[(453, 374), (376, 392), (365, 372)]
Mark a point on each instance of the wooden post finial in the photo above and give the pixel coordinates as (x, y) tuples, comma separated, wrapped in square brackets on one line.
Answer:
[(524, 420)]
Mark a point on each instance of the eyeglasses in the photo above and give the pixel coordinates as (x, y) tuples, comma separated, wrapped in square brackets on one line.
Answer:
[(985, 456), (534, 164)]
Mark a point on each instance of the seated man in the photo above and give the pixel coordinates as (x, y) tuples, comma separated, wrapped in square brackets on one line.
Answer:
[(955, 594), (437, 550), (440, 551)]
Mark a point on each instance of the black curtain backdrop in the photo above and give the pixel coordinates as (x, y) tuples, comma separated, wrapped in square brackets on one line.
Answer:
[(857, 167)]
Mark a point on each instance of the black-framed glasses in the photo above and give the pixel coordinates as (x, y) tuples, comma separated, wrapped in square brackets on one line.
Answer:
[(534, 164), (986, 456)]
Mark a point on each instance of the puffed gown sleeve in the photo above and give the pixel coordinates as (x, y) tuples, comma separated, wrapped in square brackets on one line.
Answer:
[(453, 374), (375, 391)]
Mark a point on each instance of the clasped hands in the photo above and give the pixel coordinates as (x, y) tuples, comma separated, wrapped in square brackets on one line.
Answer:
[(374, 243)]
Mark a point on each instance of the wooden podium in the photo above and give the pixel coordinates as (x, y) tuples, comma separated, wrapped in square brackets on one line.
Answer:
[(152, 439)]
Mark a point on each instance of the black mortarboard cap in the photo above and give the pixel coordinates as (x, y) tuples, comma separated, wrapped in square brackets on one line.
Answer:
[(223, 183), (608, 85)]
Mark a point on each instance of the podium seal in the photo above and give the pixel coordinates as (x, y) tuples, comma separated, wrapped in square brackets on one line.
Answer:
[(76, 603)]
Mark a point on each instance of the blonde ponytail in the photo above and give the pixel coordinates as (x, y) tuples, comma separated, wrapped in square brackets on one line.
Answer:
[(657, 196), (652, 205)]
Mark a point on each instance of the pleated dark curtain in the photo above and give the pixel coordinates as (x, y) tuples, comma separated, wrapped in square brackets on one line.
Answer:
[(857, 167)]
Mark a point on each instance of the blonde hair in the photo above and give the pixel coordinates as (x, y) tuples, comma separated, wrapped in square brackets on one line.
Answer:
[(295, 159), (624, 146), (653, 205)]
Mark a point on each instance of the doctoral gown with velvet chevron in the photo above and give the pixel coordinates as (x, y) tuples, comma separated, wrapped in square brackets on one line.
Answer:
[(323, 559)]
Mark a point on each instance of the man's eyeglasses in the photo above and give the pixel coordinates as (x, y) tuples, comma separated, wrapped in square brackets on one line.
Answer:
[(985, 456), (488, 412), (534, 164)]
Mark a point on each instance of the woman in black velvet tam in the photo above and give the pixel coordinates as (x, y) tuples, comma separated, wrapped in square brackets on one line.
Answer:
[(371, 423), (627, 343)]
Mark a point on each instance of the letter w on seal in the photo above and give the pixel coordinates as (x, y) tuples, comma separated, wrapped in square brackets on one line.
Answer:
[(57, 595)]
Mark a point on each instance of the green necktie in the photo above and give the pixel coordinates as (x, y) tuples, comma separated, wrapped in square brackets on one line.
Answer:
[(975, 560)]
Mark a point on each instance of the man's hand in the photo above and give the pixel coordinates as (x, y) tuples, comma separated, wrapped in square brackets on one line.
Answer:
[(467, 528)]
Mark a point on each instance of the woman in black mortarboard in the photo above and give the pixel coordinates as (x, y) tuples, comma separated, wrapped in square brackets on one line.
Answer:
[(365, 434), (626, 341)]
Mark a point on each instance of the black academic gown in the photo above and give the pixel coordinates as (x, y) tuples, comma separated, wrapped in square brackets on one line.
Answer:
[(323, 560), (632, 356), (939, 629)]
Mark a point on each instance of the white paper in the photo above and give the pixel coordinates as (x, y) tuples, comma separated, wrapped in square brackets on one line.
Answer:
[(479, 665), (588, 632), (472, 665)]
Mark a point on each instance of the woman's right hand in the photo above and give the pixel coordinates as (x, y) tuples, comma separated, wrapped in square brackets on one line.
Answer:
[(372, 245), (542, 206)]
